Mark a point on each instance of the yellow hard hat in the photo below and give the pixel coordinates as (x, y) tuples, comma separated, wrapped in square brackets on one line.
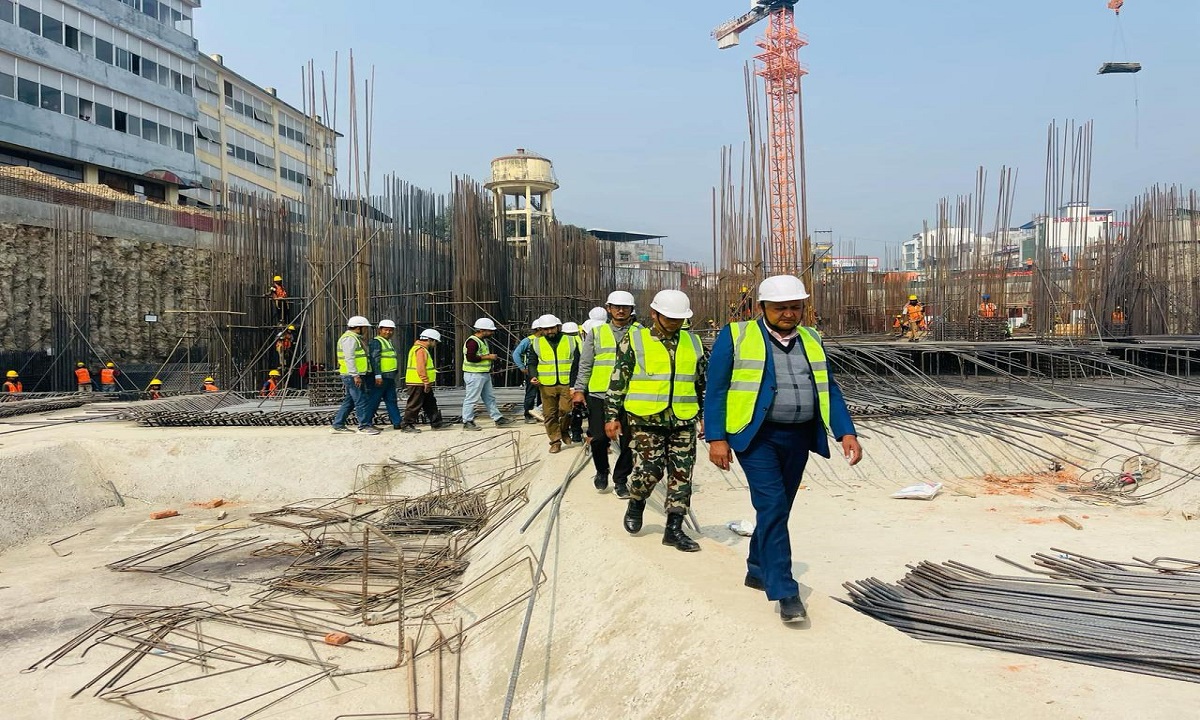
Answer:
[(11, 373), (912, 297), (277, 278), (273, 373), (156, 381), (78, 364), (109, 365), (208, 379), (291, 327)]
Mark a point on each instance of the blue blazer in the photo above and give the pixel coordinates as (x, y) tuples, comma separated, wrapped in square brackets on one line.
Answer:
[(716, 395)]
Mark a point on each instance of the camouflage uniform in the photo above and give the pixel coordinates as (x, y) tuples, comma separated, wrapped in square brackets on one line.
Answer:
[(662, 443)]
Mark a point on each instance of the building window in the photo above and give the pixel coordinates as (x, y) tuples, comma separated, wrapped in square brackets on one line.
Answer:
[(104, 115), (52, 29), (104, 51), (87, 44), (51, 99), (120, 121), (6, 10), (8, 85), (31, 20), (71, 39), (27, 92)]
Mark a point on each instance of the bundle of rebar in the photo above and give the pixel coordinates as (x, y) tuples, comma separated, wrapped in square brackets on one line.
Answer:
[(1141, 616), (25, 407)]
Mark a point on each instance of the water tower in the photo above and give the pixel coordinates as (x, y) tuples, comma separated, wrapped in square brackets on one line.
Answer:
[(522, 186)]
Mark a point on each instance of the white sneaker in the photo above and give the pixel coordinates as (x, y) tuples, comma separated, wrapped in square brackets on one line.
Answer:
[(368, 430)]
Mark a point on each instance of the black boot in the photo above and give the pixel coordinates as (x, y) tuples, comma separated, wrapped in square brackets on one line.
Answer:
[(633, 516), (601, 481), (674, 534)]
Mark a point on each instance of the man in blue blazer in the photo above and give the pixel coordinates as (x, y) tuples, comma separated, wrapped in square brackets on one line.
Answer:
[(771, 399)]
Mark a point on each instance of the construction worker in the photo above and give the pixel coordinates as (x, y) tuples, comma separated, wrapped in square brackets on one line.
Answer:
[(914, 317), (12, 383), (278, 295), (524, 358), (209, 385), (771, 398), (353, 366), (555, 356), (154, 389), (108, 378), (283, 345), (596, 363), (384, 366), (270, 385), (83, 378), (477, 375), (658, 381), (987, 308), (420, 376), (578, 410), (1118, 316)]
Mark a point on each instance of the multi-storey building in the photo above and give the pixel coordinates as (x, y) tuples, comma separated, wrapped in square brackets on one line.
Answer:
[(250, 141), (100, 91)]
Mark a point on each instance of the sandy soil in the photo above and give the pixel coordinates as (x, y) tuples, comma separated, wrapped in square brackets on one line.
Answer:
[(624, 626)]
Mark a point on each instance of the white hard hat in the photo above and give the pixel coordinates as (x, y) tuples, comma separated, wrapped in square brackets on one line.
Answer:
[(780, 288), (537, 323), (570, 327), (620, 297), (431, 334), (387, 324), (673, 304), (589, 325), (358, 321), (484, 324), (598, 314), (549, 321)]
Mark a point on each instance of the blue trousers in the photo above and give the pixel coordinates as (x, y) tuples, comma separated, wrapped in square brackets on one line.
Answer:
[(774, 464), (355, 399), (386, 393)]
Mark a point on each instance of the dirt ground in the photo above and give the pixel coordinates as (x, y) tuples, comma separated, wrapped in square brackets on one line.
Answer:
[(624, 626)]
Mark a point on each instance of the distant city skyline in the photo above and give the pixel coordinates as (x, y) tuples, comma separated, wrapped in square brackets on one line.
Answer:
[(632, 101)]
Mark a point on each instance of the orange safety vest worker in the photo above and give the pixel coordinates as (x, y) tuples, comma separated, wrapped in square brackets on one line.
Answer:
[(82, 376), (268, 388), (210, 386), (108, 376), (987, 309), (278, 292), (916, 313), (13, 386), (1118, 316)]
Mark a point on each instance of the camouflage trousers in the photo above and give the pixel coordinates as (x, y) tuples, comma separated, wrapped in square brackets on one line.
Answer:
[(659, 450)]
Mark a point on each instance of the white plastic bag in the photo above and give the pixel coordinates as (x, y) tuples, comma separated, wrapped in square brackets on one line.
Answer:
[(921, 491)]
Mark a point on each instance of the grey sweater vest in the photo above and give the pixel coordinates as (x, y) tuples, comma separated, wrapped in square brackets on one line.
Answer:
[(794, 398)]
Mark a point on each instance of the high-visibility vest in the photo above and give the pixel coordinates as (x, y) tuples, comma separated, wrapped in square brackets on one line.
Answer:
[(278, 292), (268, 388), (987, 309), (915, 312), (387, 356), (554, 363), (604, 341), (12, 386), (658, 381), (749, 364), (483, 366), (108, 376), (411, 375), (361, 365), (211, 387), (82, 376)]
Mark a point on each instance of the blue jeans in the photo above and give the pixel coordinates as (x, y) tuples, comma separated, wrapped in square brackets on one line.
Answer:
[(387, 393), (774, 464), (479, 387), (356, 399)]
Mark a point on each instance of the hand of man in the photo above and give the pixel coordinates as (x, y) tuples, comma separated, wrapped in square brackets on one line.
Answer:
[(851, 449), (357, 381), (490, 356), (577, 398), (534, 381), (613, 430), (427, 385), (720, 454)]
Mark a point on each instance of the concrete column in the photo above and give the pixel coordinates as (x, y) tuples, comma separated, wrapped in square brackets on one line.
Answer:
[(91, 174), (172, 195)]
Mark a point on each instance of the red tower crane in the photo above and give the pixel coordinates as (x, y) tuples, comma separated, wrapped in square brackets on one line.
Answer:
[(781, 70)]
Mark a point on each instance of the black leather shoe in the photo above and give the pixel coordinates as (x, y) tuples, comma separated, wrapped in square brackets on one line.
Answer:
[(601, 481), (621, 489), (755, 583), (633, 516), (791, 609), (676, 537)]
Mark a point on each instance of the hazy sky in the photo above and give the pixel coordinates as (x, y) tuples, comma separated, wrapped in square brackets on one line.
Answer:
[(632, 101)]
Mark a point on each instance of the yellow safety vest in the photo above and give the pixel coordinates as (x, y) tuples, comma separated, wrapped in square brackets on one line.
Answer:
[(411, 376), (554, 364), (604, 340), (482, 366), (361, 366), (387, 356), (749, 364), (658, 381)]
